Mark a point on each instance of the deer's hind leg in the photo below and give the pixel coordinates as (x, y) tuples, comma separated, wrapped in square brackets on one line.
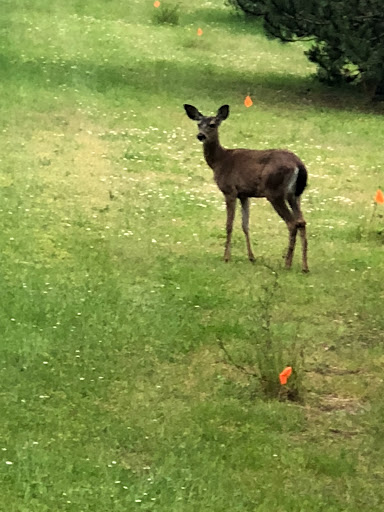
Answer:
[(245, 225), (288, 217), (294, 203)]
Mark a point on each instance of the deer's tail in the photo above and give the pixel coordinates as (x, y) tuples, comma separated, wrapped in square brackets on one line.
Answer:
[(301, 180)]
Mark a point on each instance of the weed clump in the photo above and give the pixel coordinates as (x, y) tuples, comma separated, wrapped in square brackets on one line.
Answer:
[(167, 15)]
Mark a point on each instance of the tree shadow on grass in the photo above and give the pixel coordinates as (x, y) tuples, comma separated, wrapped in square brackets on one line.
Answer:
[(228, 19), (185, 82)]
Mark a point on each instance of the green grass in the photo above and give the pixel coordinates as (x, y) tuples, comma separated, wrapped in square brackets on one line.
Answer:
[(115, 394)]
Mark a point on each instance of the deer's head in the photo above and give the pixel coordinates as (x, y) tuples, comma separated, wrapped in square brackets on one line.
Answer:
[(208, 126)]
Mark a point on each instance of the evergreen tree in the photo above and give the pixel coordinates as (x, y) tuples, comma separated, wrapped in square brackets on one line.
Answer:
[(347, 35)]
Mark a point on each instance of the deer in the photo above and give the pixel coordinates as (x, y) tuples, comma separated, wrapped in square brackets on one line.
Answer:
[(275, 174)]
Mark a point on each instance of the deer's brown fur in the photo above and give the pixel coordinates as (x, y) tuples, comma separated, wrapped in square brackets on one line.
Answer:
[(278, 175)]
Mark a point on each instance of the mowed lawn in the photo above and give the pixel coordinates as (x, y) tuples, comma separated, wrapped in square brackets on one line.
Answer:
[(116, 393)]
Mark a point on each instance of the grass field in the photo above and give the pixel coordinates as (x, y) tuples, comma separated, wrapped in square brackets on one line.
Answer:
[(116, 394)]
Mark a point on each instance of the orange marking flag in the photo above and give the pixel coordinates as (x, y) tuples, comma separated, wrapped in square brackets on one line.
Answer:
[(199, 32), (285, 374), (248, 102), (156, 4), (379, 197)]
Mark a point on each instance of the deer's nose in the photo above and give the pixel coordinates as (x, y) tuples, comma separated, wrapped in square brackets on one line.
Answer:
[(201, 137)]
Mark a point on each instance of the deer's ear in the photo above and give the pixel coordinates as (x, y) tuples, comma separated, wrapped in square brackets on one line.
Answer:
[(223, 112), (193, 113)]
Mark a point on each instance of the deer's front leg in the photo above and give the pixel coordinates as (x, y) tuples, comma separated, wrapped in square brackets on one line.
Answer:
[(231, 208)]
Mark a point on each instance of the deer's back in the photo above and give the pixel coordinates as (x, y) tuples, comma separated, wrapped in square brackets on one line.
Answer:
[(256, 173)]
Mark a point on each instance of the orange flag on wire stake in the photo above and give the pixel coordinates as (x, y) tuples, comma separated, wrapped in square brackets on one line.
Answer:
[(156, 4), (248, 102), (199, 32), (285, 374), (379, 197)]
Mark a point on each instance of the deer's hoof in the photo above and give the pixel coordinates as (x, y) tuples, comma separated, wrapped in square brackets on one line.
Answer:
[(252, 259), (305, 270)]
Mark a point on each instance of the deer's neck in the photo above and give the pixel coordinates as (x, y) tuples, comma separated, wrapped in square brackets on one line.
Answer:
[(213, 152)]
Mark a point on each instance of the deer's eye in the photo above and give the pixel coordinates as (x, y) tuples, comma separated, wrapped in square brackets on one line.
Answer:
[(212, 125)]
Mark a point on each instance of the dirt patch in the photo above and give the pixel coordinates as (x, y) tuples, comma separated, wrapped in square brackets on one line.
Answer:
[(330, 403)]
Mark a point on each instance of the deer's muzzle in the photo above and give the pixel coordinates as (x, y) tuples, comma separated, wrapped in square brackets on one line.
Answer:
[(201, 137)]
